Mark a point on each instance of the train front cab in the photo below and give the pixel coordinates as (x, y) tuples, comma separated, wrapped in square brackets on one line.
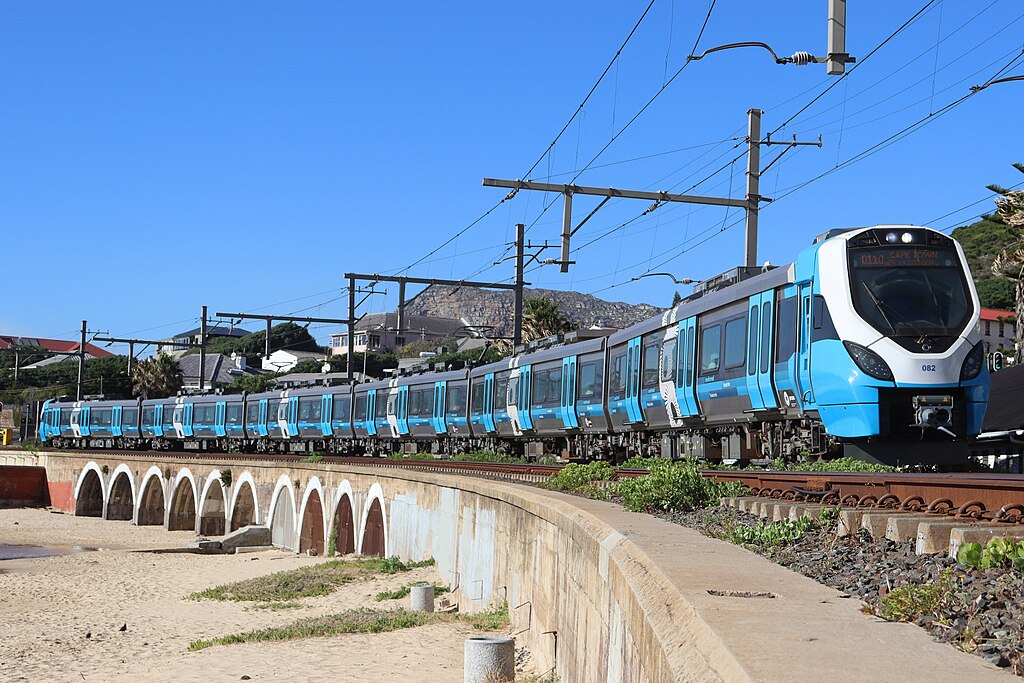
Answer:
[(895, 362)]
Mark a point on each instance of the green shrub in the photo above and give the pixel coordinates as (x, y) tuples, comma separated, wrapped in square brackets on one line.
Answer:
[(912, 602), (772, 534), (575, 478), (313, 458), (1002, 553), (673, 486)]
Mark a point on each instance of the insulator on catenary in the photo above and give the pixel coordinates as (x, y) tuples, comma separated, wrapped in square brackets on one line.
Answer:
[(802, 58)]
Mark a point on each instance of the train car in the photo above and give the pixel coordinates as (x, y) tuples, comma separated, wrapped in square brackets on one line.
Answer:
[(430, 411), (493, 415), (90, 424), (375, 416)]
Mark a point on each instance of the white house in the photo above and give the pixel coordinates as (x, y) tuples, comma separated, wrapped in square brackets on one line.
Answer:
[(284, 360)]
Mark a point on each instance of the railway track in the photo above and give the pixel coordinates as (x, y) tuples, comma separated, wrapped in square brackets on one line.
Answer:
[(982, 497)]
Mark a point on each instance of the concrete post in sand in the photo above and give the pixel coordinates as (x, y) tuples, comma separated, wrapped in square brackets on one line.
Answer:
[(489, 660), (421, 598)]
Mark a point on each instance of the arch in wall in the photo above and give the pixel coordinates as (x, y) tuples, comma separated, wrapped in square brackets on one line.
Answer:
[(245, 508), (152, 505), (121, 496), (181, 515), (282, 514), (311, 518), (89, 492), (343, 522), (212, 507), (374, 536)]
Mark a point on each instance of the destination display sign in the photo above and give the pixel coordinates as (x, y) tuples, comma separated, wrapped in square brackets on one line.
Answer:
[(904, 257)]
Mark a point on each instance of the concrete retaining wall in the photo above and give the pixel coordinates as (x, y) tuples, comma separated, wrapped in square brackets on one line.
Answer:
[(23, 486)]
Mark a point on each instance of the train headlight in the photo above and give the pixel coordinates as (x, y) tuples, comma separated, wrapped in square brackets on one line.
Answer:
[(892, 237), (973, 363), (869, 361), (907, 238)]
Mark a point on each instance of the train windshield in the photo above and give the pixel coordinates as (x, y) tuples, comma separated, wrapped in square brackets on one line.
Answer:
[(910, 291)]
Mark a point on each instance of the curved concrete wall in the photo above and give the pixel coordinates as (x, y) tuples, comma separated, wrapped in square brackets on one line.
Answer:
[(562, 570)]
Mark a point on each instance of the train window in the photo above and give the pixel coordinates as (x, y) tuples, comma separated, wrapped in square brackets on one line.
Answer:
[(540, 387), (650, 353), (101, 417), (786, 330), (735, 342), (273, 407), (310, 408), (766, 335), (456, 399), (204, 414), (169, 414), (233, 414), (513, 391), (424, 403), (752, 341), (340, 408), (147, 416), (413, 408), (252, 412), (668, 360), (691, 351), (554, 388), (501, 393), (360, 407), (130, 417), (477, 403), (589, 382), (388, 407), (616, 383), (710, 349), (65, 416)]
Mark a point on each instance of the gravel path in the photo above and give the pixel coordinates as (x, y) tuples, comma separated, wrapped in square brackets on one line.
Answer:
[(979, 611)]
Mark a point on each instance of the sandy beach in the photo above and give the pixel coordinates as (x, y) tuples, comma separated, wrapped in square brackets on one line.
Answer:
[(48, 605)]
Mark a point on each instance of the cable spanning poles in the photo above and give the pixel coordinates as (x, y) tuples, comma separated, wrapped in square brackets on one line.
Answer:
[(269, 319), (750, 203)]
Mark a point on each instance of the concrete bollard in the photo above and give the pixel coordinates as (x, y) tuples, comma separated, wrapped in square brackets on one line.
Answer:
[(421, 598), (489, 660)]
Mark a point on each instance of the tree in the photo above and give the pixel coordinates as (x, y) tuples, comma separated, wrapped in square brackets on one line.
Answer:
[(1010, 262), (542, 317), (253, 384), (308, 365), (676, 299), (157, 377), (997, 292)]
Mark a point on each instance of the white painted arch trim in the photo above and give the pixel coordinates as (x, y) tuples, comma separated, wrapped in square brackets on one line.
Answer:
[(153, 471), (375, 493), (312, 485), (283, 482), (121, 469), (344, 489), (183, 473), (91, 466), (236, 486)]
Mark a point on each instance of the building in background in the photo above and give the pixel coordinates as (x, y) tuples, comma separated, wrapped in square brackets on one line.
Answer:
[(62, 350), (192, 337), (997, 330), (378, 332), (221, 370), (284, 360)]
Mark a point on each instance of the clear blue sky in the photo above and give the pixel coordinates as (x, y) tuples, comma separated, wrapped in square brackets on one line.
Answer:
[(155, 157)]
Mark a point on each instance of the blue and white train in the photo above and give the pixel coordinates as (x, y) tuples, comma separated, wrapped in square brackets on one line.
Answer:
[(867, 345)]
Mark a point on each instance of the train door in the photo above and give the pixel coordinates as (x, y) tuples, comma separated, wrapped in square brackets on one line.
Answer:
[(511, 400), (326, 410), (115, 420), (371, 412), (686, 346), (263, 419), (158, 419), (525, 397), (488, 410), (292, 418), (803, 369), (753, 355), (633, 360), (220, 418), (764, 360), (440, 408), (667, 369), (567, 407)]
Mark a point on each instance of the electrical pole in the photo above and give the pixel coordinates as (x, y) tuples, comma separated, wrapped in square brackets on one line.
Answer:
[(517, 322), (202, 351), (753, 185), (145, 342), (81, 360), (351, 327)]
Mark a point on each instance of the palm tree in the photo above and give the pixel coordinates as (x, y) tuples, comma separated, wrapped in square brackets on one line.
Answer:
[(1010, 263), (157, 377), (542, 317)]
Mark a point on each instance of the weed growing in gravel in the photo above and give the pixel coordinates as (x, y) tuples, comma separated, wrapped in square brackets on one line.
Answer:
[(673, 486), (1002, 553), (400, 593), (913, 602), (319, 579), (575, 478)]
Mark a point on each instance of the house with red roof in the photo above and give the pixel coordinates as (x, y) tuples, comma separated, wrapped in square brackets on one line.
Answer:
[(997, 329), (56, 346)]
